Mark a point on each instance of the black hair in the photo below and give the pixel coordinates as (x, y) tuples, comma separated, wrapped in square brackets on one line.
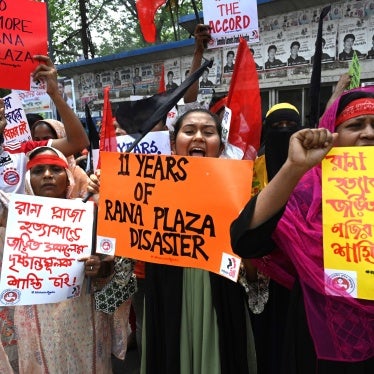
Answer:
[(178, 124), (349, 97), (295, 43), (33, 117), (349, 36), (41, 122), (272, 47), (170, 73), (230, 53)]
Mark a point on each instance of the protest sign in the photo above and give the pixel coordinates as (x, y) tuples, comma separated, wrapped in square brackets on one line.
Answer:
[(348, 216), (229, 20), (24, 34), (172, 210), (35, 101), (44, 238), (17, 128), (157, 142)]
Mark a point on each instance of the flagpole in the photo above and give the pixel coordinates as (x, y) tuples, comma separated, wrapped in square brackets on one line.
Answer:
[(315, 80)]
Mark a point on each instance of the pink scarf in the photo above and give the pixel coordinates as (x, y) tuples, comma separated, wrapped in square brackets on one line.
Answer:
[(341, 327)]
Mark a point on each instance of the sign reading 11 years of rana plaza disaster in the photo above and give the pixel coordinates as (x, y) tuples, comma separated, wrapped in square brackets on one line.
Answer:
[(172, 210)]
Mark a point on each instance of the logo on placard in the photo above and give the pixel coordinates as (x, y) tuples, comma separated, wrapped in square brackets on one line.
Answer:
[(106, 245), (11, 177), (342, 282), (10, 297), (230, 266), (75, 291)]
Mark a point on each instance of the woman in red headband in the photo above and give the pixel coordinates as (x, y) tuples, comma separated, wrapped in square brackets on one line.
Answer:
[(68, 336), (282, 226)]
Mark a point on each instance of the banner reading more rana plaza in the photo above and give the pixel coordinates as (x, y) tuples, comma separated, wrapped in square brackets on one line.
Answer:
[(172, 210)]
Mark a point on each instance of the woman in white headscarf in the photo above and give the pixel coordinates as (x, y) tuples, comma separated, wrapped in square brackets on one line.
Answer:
[(69, 336)]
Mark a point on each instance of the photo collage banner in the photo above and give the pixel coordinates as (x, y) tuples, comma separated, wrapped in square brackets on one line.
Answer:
[(286, 48)]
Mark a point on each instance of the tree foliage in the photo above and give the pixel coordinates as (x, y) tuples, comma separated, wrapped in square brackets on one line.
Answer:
[(81, 29)]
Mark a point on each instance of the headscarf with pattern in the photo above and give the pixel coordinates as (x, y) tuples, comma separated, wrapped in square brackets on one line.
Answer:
[(342, 327)]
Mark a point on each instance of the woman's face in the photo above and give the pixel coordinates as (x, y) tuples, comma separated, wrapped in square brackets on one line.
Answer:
[(198, 136), (358, 131), (42, 132), (49, 180)]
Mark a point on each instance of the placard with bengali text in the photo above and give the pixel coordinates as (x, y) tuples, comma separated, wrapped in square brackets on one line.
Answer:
[(44, 239), (348, 221)]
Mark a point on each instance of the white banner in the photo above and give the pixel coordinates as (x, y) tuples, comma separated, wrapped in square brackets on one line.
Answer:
[(44, 239), (229, 20)]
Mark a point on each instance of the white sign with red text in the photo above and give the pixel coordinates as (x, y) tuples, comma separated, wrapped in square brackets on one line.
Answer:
[(44, 239), (17, 128), (231, 19)]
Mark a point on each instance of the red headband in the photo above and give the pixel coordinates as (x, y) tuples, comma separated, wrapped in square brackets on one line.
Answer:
[(356, 108), (46, 160)]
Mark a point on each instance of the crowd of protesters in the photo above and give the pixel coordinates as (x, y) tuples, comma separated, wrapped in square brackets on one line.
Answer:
[(188, 320)]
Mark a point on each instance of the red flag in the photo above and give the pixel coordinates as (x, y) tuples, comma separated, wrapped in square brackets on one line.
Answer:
[(108, 140), (244, 100), (146, 12), (162, 86)]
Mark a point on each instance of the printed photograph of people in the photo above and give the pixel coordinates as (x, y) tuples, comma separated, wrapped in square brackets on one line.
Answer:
[(170, 85), (347, 53), (294, 58), (229, 67), (370, 54), (65, 94), (98, 83), (325, 56), (205, 82), (253, 54), (136, 78), (273, 62), (116, 81)]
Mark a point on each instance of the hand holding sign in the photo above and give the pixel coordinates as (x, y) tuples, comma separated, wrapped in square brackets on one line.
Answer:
[(202, 36), (46, 73)]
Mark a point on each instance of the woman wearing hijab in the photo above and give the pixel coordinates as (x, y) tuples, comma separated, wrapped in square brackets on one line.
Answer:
[(52, 129), (283, 226), (69, 336)]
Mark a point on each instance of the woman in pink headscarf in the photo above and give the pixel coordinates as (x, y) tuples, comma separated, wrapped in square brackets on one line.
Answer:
[(282, 226)]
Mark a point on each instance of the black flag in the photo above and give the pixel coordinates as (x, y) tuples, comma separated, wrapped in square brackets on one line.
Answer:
[(139, 117), (93, 135), (315, 80)]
